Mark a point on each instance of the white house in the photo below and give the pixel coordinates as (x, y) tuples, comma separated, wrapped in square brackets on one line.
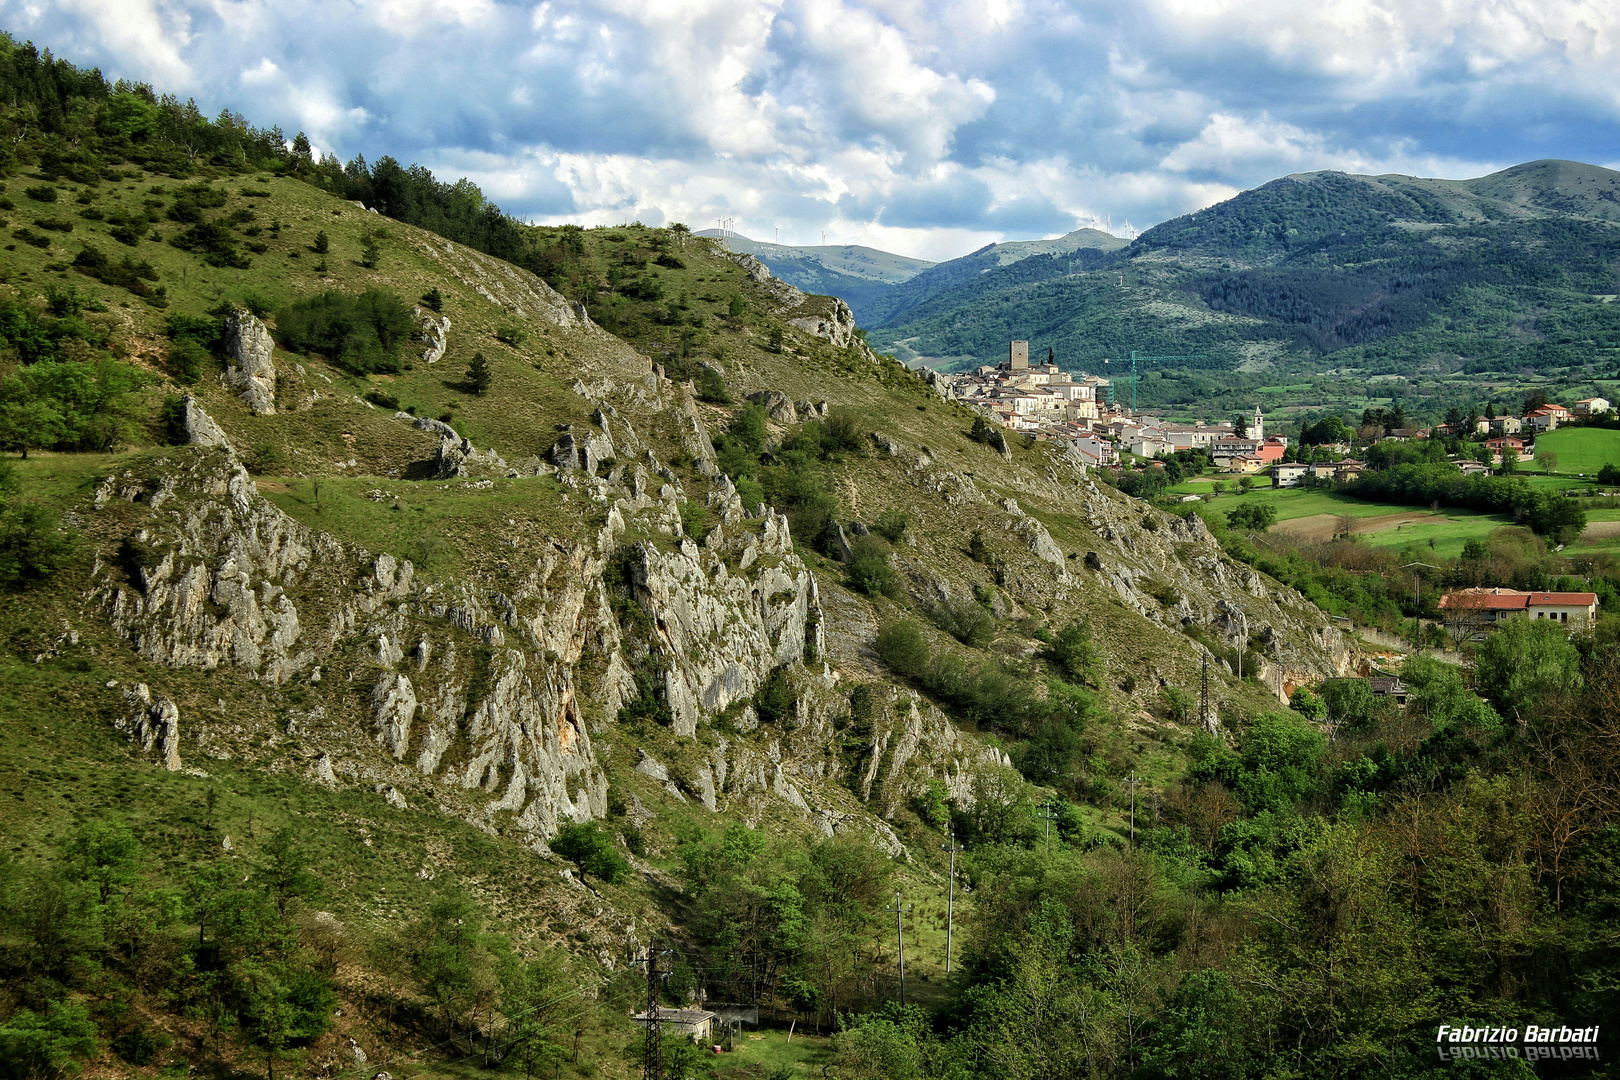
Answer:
[(1094, 451), (1148, 447), (1591, 406), (1564, 607), (1288, 475), (695, 1024)]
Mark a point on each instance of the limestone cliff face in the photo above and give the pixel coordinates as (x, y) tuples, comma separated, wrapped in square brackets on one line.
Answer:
[(720, 629), (250, 362), (1169, 570), (152, 723), (826, 317), (492, 692)]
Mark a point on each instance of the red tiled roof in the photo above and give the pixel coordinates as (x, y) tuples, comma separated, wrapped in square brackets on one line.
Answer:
[(1562, 599), (1513, 600), (1486, 599)]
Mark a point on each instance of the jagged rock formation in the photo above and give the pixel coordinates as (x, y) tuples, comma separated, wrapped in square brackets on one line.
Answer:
[(154, 723), (510, 288), (721, 629), (777, 405), (826, 317), (210, 575), (250, 365), (582, 450), (201, 430), (785, 295), (434, 333), (1168, 570)]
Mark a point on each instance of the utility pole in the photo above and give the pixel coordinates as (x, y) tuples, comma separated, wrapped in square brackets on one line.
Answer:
[(1132, 780), (950, 895), (1417, 613), (900, 941), (652, 1067), (1048, 815), (1203, 693)]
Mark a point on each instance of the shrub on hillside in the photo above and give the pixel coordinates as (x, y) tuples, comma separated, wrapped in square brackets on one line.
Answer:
[(361, 334), (869, 570), (964, 620), (589, 848), (902, 649), (187, 360), (1075, 655), (32, 550), (891, 525)]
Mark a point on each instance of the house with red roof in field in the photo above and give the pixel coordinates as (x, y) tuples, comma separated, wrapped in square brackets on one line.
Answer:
[(1591, 406), (1481, 609)]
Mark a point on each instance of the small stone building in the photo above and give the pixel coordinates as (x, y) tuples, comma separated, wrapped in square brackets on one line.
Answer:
[(695, 1024)]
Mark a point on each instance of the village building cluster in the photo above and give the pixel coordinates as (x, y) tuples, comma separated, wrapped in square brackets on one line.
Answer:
[(1079, 408)]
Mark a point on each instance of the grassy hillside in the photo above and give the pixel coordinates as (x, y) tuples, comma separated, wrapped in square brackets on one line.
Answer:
[(1581, 450)]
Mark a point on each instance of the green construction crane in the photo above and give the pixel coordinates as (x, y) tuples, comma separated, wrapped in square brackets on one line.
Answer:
[(1134, 359)]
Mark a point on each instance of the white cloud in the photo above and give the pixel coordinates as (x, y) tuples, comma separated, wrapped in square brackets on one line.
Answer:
[(920, 124)]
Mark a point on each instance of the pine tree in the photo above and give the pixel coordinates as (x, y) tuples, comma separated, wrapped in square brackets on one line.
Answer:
[(478, 374)]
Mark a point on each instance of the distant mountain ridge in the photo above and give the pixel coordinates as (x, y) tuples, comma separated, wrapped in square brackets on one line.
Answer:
[(1384, 273), (865, 277)]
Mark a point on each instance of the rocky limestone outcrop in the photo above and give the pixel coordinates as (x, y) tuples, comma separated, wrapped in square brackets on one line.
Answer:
[(785, 295), (217, 577), (1167, 569), (516, 291), (777, 405), (433, 334), (458, 457), (582, 449), (153, 721), (205, 582), (201, 429), (826, 317), (721, 630), (250, 365)]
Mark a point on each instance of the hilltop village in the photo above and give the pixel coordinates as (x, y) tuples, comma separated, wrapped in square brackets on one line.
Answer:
[(1080, 409)]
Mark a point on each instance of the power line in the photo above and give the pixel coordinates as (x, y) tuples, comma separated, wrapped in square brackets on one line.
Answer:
[(950, 895), (1047, 814), (900, 941), (1133, 781), (652, 1067)]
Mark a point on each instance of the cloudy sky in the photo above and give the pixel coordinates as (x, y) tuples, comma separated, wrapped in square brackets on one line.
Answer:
[(923, 127)]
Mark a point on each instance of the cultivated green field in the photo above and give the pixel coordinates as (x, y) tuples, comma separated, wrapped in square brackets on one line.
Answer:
[(1315, 514), (1581, 450)]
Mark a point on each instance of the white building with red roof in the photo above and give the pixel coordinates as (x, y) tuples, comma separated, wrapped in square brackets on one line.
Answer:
[(1490, 606)]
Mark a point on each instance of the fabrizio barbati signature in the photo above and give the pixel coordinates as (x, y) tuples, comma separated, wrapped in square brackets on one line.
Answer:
[(1532, 1041)]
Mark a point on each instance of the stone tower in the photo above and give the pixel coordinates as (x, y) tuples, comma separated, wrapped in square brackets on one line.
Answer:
[(1018, 356), (1257, 426)]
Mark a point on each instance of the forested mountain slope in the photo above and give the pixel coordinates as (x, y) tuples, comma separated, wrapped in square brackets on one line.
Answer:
[(412, 617), (1380, 274)]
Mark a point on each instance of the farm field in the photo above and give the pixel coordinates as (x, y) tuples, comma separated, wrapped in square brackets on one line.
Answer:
[(1602, 535), (1581, 450), (1313, 514)]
